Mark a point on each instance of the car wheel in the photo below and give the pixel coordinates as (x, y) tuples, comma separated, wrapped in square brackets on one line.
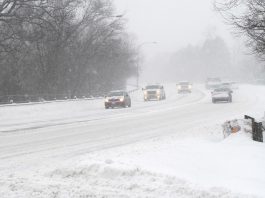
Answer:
[(213, 100), (106, 107), (130, 104)]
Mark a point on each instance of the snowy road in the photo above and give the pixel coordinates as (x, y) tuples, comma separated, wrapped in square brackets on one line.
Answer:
[(34, 135), (29, 131)]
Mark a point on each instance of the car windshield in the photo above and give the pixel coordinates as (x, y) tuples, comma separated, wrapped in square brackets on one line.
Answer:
[(116, 93), (226, 84), (152, 87), (184, 83)]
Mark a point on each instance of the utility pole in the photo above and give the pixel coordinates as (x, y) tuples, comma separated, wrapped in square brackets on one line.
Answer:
[(138, 66)]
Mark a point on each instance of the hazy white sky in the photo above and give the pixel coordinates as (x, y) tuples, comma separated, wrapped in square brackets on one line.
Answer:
[(172, 23)]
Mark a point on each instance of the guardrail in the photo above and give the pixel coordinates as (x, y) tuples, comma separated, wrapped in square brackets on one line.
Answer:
[(28, 99), (44, 98), (257, 129)]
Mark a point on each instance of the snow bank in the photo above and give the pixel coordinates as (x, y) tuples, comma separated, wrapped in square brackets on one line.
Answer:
[(235, 164), (108, 180), (199, 164), (112, 180)]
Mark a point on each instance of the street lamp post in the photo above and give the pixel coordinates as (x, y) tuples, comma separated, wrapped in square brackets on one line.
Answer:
[(138, 49)]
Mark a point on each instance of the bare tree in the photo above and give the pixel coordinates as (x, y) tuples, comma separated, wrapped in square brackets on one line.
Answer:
[(248, 18), (66, 46), (9, 8)]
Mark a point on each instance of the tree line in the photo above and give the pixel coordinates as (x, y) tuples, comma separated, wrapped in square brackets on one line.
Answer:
[(212, 58), (71, 47)]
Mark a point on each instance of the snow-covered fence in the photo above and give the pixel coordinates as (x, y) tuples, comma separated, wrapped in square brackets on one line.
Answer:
[(47, 98), (9, 99), (36, 99), (257, 129)]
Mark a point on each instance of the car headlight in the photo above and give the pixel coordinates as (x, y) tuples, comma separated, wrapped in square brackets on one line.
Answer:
[(190, 86), (145, 92), (106, 100), (158, 91), (122, 99)]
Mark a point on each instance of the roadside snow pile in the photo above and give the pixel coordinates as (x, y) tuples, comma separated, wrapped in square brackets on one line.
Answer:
[(243, 126), (237, 125), (198, 165), (110, 180), (118, 180)]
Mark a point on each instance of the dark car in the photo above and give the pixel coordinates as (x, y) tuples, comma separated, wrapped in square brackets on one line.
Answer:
[(117, 99), (222, 94)]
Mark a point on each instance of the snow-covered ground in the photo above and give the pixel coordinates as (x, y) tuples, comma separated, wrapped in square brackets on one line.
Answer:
[(171, 148)]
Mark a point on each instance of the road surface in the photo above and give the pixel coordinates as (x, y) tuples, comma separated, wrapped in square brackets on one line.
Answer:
[(69, 132), (34, 135)]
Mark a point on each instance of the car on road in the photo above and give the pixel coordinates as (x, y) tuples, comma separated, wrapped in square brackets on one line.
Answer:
[(117, 99), (222, 94), (212, 83), (154, 92), (184, 87)]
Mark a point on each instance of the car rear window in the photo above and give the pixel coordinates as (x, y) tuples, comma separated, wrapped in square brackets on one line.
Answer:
[(184, 83), (221, 90)]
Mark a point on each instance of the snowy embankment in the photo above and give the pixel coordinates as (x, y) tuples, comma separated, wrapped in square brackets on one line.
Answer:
[(174, 148), (202, 166)]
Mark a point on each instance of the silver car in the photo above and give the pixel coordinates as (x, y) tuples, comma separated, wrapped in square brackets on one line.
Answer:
[(222, 94), (154, 92)]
